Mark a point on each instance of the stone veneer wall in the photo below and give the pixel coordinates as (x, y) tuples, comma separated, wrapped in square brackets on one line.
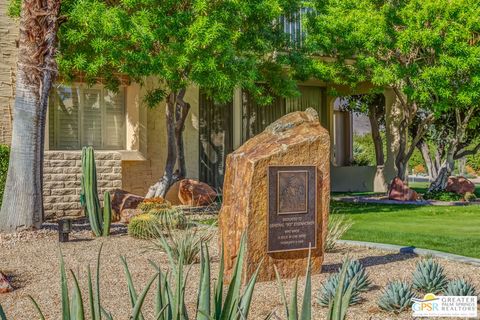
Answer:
[(61, 180)]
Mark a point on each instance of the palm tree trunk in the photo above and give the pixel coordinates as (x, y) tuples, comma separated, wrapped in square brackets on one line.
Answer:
[(22, 205)]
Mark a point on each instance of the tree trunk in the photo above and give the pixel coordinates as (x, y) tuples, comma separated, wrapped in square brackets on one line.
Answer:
[(376, 137), (440, 183), (176, 115), (22, 205), (432, 168)]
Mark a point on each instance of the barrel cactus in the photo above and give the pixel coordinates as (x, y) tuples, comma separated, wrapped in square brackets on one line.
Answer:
[(353, 269), (169, 218), (100, 219), (153, 203), (460, 287), (396, 297), (429, 277), (143, 226)]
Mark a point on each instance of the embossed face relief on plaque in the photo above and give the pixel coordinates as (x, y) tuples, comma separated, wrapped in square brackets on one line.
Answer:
[(292, 208)]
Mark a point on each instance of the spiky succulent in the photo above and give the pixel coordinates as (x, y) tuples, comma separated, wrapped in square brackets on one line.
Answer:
[(169, 218), (354, 268), (155, 203), (143, 226), (396, 296), (460, 287), (429, 277)]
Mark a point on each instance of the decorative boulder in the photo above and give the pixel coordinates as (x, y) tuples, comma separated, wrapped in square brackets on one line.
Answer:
[(123, 200), (400, 191), (5, 285), (296, 140), (127, 214), (195, 193), (460, 185), (172, 194)]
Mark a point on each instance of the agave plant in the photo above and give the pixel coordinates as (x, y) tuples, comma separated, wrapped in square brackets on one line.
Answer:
[(3, 316), (396, 297), (429, 277), (338, 306), (73, 307), (354, 269), (460, 287), (291, 310)]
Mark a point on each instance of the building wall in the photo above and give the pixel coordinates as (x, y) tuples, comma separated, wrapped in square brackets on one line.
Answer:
[(61, 180), (8, 58)]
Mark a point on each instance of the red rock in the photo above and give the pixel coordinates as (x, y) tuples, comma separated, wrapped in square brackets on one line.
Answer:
[(172, 194), (295, 139), (460, 185), (400, 191), (127, 214), (5, 285), (195, 193), (123, 200)]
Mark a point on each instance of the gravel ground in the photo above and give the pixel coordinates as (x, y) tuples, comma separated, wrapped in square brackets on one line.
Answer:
[(31, 260)]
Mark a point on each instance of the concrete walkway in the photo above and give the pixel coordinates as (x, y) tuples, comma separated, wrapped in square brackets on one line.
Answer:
[(414, 250)]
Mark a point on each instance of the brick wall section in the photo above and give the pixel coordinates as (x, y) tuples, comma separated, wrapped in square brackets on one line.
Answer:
[(61, 180), (8, 59)]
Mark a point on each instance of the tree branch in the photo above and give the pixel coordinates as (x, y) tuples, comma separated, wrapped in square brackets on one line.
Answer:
[(460, 154)]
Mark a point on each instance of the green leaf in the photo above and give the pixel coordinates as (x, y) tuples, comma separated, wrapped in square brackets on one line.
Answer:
[(136, 312)]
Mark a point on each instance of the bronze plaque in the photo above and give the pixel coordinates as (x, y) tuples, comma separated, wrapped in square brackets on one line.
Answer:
[(292, 208)]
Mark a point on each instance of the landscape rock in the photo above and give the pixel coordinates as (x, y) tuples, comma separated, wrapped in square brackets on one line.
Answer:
[(295, 139), (127, 214), (460, 185), (172, 194), (400, 191), (123, 200), (195, 193), (5, 285)]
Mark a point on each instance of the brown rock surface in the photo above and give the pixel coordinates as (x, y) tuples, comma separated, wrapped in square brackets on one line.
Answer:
[(195, 193), (295, 139), (460, 185), (172, 194), (123, 200), (5, 285), (400, 191)]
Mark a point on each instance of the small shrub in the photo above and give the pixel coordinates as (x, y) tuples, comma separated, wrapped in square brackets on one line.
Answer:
[(143, 226), (469, 196), (443, 196), (354, 270), (460, 287), (153, 203), (338, 225), (396, 296), (429, 277), (4, 157)]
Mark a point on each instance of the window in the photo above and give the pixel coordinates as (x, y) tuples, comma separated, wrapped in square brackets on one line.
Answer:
[(86, 116)]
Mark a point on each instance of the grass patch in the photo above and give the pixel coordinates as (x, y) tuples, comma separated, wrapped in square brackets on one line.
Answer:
[(449, 229)]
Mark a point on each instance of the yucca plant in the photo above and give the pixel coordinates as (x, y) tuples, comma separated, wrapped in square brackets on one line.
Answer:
[(291, 310), (3, 316), (100, 219), (429, 277), (460, 287), (396, 297), (338, 225), (354, 269), (338, 306), (186, 242)]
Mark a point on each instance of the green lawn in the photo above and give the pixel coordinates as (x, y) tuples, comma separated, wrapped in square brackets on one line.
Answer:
[(449, 229)]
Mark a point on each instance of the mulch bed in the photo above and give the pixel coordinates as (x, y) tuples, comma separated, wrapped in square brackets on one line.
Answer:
[(30, 259)]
